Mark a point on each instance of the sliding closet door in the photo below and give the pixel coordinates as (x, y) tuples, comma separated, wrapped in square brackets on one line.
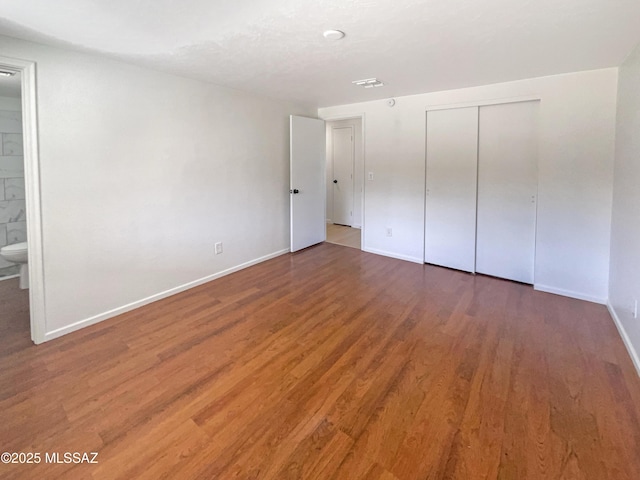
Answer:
[(507, 190), (450, 216)]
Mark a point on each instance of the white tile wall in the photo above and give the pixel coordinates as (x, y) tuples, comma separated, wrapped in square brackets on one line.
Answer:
[(16, 232), (10, 122), (8, 268), (12, 144), (13, 228), (12, 211), (13, 189), (3, 241), (13, 270), (11, 167)]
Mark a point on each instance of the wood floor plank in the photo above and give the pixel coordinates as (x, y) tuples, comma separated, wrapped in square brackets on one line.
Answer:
[(330, 363)]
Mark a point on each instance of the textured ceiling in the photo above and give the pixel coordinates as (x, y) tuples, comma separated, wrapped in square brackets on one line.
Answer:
[(276, 47)]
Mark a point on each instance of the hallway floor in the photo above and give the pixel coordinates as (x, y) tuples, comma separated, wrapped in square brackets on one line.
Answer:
[(342, 235)]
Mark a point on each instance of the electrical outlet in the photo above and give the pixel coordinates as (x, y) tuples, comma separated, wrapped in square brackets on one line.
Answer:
[(389, 232), (218, 248)]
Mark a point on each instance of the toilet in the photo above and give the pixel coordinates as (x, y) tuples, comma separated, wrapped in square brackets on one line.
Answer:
[(17, 253)]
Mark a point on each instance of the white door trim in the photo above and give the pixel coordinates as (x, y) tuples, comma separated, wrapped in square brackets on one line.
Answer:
[(32, 194), (361, 116), (485, 103)]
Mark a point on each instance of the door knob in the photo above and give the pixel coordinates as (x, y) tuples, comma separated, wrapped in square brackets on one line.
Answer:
[(335, 181)]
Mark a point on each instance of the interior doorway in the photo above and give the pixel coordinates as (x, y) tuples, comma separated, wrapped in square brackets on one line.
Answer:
[(345, 236), (25, 183), (14, 314), (345, 180)]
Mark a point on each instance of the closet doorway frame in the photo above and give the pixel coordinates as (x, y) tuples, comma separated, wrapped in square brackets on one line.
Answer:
[(37, 311)]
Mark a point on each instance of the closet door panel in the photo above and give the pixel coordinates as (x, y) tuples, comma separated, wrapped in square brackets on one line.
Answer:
[(451, 181), (507, 190)]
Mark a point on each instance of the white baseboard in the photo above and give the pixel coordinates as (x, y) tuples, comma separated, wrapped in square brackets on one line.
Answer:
[(9, 277), (158, 296), (359, 227), (625, 338), (569, 293), (393, 255)]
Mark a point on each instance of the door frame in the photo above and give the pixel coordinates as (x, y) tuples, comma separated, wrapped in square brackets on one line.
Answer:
[(353, 170), (361, 116), (37, 311)]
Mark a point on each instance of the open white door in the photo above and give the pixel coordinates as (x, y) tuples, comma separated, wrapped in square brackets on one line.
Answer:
[(307, 189)]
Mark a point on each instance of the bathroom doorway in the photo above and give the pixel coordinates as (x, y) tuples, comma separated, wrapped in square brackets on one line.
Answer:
[(14, 314), (21, 260)]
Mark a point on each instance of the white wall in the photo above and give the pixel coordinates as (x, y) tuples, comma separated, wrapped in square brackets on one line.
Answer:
[(624, 289), (358, 173), (141, 173), (577, 131)]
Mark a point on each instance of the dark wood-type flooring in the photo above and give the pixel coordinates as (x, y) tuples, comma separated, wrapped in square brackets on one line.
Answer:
[(328, 364)]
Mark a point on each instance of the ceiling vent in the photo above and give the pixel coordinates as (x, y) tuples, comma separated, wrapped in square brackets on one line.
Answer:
[(369, 83)]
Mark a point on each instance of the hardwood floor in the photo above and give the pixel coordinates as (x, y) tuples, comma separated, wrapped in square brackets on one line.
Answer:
[(329, 364), (342, 235)]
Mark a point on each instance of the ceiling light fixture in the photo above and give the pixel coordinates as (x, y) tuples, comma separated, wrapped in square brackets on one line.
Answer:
[(333, 34), (369, 83), (7, 73)]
